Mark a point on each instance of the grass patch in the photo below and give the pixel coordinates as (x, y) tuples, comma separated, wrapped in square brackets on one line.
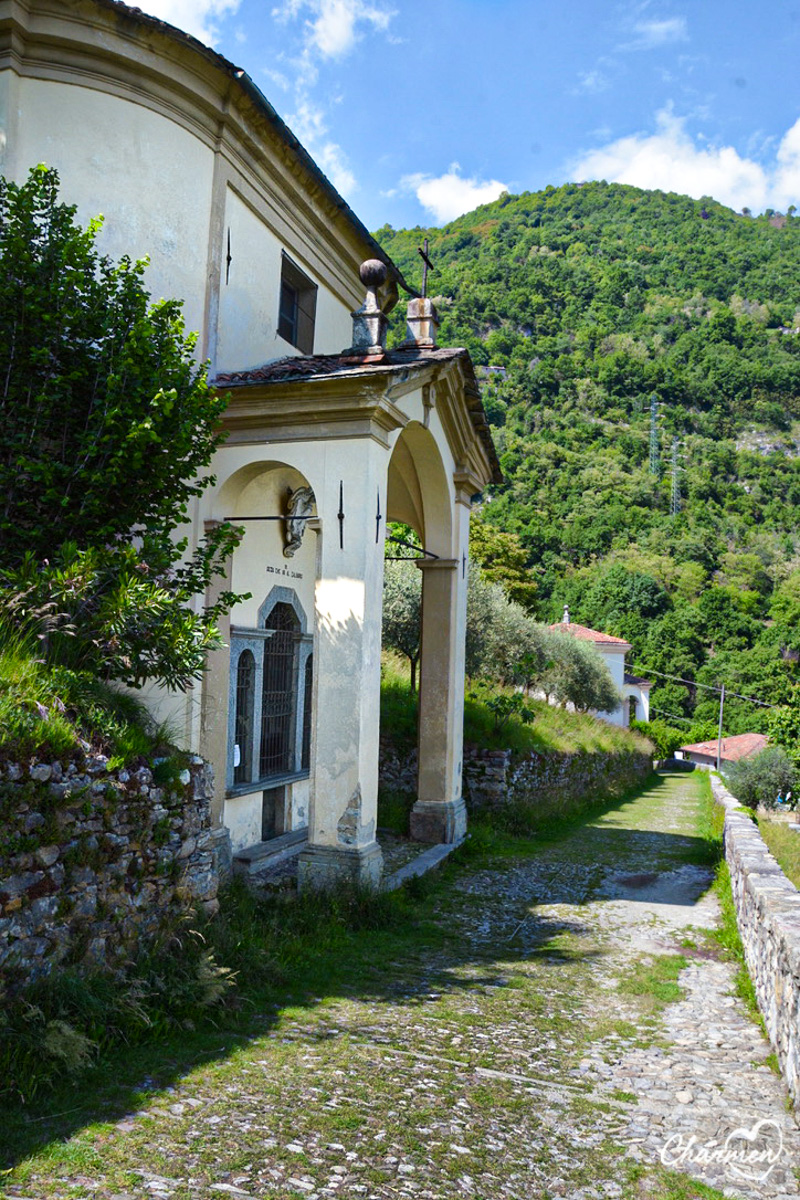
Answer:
[(710, 818), (52, 712), (61, 1027), (394, 810), (552, 728), (784, 844), (726, 935), (655, 980)]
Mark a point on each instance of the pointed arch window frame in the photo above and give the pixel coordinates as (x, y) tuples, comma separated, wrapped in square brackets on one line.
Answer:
[(256, 641)]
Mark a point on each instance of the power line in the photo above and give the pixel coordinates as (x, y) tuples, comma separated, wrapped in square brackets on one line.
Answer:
[(673, 716), (709, 687)]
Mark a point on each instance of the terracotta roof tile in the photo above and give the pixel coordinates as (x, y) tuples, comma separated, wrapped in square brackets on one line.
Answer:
[(324, 366), (743, 745), (310, 366), (589, 635), (637, 680)]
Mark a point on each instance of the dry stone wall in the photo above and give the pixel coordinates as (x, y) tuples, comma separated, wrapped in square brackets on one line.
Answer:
[(555, 783), (768, 915), (94, 863)]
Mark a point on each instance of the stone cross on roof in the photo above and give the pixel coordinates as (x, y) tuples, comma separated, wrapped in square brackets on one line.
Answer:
[(427, 265)]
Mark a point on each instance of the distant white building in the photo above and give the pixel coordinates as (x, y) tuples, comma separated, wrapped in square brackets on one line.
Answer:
[(633, 690)]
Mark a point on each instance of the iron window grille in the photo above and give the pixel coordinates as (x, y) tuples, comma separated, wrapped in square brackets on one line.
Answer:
[(305, 759), (245, 705), (271, 701)]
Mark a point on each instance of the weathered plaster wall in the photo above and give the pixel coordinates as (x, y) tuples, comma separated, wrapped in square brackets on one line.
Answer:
[(249, 296), (156, 134), (111, 154), (615, 661), (768, 914), (94, 863)]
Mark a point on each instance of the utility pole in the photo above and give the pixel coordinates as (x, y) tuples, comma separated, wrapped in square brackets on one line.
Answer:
[(719, 734), (655, 466), (675, 506)]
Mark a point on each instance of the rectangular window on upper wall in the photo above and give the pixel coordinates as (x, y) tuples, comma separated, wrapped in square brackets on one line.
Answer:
[(297, 307)]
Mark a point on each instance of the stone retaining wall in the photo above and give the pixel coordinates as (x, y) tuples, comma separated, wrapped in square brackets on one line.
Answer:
[(768, 914), (94, 863), (555, 783)]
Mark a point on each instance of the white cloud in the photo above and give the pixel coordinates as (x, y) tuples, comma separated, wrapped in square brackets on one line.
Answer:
[(592, 81), (333, 161), (330, 31), (310, 125), (450, 195), (649, 35), (193, 16), (786, 178), (332, 27), (670, 160)]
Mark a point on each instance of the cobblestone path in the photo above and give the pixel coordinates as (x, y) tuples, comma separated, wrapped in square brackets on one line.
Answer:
[(547, 1051)]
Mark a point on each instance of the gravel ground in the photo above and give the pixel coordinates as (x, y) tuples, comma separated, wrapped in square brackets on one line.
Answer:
[(533, 1057)]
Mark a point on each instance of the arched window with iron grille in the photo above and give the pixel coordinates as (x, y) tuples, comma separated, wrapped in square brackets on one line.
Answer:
[(305, 761), (279, 692), (245, 707)]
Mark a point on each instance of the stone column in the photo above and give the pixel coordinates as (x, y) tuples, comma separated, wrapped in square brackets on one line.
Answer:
[(215, 690), (439, 814), (346, 708)]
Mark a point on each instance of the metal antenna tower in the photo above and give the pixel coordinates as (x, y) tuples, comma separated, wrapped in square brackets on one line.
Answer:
[(655, 464), (675, 506)]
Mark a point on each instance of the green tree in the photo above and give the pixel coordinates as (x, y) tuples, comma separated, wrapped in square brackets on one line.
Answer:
[(402, 609), (762, 778), (580, 677), (107, 420), (504, 560), (783, 726), (108, 426)]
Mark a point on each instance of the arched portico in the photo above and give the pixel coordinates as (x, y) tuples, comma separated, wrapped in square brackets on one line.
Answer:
[(400, 439), (421, 495)]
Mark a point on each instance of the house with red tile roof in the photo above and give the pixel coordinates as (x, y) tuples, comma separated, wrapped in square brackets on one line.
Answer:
[(732, 750), (634, 691)]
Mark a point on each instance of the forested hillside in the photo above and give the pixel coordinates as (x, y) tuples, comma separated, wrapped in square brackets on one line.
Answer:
[(581, 303)]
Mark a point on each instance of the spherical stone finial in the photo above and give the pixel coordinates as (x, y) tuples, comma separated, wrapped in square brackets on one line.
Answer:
[(373, 273)]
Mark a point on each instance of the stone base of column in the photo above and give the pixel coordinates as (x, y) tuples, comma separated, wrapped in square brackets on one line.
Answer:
[(439, 820), (320, 867)]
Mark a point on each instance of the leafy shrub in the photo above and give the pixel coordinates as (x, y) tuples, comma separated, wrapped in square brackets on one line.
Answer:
[(59, 1026), (666, 738), (107, 426), (762, 778)]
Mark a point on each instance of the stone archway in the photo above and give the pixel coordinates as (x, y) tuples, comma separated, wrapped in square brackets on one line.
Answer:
[(420, 494), (258, 713)]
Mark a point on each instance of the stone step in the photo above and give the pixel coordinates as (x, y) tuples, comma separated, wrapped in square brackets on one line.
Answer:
[(428, 860), (264, 855)]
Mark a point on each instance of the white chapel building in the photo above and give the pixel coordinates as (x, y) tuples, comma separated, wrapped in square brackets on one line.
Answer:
[(634, 692), (329, 435)]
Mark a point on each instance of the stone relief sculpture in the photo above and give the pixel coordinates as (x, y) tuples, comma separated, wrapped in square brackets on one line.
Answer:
[(298, 511)]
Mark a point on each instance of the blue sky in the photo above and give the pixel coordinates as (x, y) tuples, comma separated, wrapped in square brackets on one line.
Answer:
[(420, 111)]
